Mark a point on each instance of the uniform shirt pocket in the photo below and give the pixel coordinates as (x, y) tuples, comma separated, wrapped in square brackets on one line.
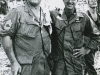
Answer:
[(76, 31), (28, 28)]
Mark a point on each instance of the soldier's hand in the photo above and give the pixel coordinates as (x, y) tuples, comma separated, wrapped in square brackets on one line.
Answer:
[(80, 52), (15, 68)]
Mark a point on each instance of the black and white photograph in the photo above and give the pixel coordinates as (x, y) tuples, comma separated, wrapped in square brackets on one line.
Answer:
[(49, 37)]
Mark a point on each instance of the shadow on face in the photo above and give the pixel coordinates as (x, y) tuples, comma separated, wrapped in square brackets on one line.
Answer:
[(69, 4), (34, 2)]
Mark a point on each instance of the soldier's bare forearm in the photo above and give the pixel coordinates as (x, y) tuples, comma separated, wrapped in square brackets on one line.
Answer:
[(10, 55), (7, 45)]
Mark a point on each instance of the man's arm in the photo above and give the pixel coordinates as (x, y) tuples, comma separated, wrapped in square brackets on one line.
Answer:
[(88, 33), (7, 45), (89, 43), (11, 20)]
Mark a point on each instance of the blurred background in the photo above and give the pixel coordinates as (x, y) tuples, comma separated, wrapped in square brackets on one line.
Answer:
[(7, 5)]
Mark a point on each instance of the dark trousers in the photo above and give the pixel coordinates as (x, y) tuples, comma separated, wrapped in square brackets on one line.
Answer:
[(59, 68), (89, 60)]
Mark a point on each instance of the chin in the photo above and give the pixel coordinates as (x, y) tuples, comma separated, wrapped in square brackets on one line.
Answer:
[(93, 6), (34, 3)]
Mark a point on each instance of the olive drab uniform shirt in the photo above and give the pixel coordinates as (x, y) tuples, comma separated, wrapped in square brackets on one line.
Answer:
[(89, 59), (69, 35), (97, 25), (26, 35)]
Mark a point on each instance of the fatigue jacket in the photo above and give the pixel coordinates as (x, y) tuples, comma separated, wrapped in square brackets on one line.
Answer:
[(97, 23), (98, 18), (89, 59), (69, 35), (26, 35)]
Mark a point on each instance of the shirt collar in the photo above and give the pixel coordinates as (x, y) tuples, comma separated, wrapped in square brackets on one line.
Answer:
[(47, 15), (77, 15), (26, 7)]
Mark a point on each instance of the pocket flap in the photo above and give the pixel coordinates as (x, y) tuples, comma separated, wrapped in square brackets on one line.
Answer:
[(31, 21), (76, 27)]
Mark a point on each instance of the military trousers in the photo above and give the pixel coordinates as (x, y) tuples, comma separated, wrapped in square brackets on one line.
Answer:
[(39, 66), (89, 60)]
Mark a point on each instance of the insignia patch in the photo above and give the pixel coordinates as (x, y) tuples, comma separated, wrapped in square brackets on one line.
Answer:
[(7, 25)]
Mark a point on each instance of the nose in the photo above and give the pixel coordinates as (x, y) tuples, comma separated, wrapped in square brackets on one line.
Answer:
[(70, 0)]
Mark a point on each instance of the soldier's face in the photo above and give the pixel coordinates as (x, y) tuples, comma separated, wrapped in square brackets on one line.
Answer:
[(92, 3), (69, 4), (34, 2)]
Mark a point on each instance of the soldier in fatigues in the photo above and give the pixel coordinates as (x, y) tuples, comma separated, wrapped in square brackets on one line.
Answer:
[(95, 20), (27, 42), (70, 40)]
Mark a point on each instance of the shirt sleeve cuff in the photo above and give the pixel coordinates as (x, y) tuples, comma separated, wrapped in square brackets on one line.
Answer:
[(92, 45)]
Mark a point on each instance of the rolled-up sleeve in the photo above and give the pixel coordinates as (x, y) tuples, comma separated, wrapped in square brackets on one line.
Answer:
[(11, 23)]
